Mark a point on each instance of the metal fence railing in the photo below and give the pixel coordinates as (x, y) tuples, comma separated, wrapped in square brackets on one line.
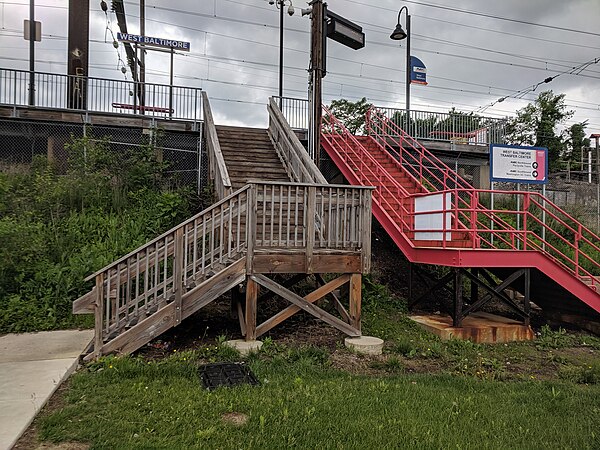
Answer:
[(68, 92), (295, 111), (456, 127)]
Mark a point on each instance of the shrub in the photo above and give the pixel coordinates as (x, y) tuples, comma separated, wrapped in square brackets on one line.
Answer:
[(57, 229)]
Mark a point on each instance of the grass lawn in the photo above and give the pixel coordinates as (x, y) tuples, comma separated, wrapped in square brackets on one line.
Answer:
[(305, 403), (422, 393)]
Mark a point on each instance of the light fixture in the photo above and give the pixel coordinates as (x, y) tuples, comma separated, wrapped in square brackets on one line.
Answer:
[(291, 10), (398, 33), (306, 11)]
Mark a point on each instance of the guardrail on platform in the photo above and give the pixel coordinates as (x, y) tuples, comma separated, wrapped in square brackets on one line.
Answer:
[(455, 127), (78, 93)]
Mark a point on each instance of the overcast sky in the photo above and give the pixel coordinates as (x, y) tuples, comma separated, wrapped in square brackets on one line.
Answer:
[(471, 60)]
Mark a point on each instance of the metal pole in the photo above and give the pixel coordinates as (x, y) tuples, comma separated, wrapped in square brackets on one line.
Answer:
[(518, 214), (142, 91), (590, 165), (281, 5), (492, 213), (408, 65), (171, 85), (31, 52), (598, 183)]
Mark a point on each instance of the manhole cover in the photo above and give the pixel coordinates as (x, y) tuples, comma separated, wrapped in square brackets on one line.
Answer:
[(226, 374)]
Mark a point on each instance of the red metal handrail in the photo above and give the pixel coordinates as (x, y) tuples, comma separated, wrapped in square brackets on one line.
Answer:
[(365, 166), (574, 247)]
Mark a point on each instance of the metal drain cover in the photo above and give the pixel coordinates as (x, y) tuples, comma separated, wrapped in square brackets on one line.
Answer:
[(226, 374)]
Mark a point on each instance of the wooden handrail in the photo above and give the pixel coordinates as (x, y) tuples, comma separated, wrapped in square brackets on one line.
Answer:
[(298, 164), (217, 168)]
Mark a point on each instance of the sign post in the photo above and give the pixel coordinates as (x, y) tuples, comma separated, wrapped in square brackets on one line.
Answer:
[(164, 45)]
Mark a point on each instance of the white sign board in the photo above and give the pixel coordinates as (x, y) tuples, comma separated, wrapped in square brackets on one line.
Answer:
[(435, 220), (518, 164)]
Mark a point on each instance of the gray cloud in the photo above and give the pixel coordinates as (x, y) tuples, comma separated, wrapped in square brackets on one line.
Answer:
[(225, 51)]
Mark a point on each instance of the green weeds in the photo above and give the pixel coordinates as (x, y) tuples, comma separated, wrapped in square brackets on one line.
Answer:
[(56, 229)]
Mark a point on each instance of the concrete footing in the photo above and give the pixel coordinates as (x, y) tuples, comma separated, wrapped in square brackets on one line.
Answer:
[(244, 347), (478, 327), (366, 345)]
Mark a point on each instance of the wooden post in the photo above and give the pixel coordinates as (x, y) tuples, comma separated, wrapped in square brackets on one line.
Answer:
[(250, 228), (366, 231), (310, 227), (251, 297), (178, 253), (458, 298), (99, 314), (355, 299)]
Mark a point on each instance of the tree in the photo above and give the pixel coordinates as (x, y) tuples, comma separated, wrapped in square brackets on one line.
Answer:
[(351, 114), (576, 141), (536, 124)]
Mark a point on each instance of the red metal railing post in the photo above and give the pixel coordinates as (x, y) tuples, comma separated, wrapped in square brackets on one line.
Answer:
[(577, 241), (526, 203)]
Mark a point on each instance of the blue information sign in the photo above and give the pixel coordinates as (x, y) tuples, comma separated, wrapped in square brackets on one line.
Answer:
[(418, 71)]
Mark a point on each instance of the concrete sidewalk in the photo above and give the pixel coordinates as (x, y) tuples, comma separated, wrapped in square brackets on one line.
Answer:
[(32, 366)]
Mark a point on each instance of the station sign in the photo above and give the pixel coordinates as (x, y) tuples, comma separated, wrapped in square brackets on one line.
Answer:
[(153, 41), (518, 164)]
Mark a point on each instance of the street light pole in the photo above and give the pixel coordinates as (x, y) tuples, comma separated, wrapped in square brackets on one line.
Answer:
[(397, 35), (281, 4)]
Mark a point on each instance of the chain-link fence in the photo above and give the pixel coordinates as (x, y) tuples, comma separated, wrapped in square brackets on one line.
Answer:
[(22, 140), (578, 198)]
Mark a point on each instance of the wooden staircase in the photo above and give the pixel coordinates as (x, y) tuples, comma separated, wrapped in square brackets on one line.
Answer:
[(249, 156), (263, 228)]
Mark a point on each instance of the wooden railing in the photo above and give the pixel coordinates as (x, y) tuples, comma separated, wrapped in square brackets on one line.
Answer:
[(217, 169), (260, 217), (309, 218), (166, 268), (297, 162)]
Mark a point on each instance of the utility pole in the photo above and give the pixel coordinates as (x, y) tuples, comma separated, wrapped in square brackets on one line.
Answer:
[(78, 53), (316, 74), (31, 53)]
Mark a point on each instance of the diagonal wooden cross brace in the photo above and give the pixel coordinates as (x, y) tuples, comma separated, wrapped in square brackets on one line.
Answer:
[(305, 304)]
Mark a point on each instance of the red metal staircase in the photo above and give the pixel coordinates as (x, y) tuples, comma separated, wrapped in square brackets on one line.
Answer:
[(525, 231)]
